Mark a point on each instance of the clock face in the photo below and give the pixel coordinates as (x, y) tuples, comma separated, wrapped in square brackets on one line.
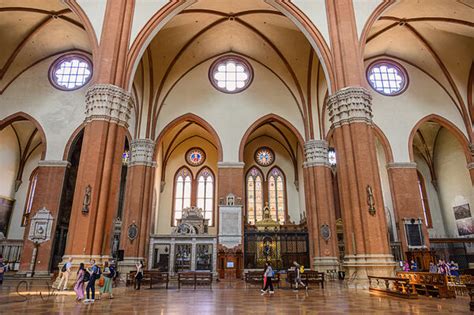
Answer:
[(195, 157), (264, 156)]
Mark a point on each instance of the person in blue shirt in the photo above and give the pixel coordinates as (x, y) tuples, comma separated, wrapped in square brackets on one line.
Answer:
[(413, 265), (94, 272)]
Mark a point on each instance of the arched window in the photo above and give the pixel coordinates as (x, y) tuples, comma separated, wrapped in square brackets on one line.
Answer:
[(30, 197), (182, 192), (205, 193), (254, 195), (424, 200), (276, 194)]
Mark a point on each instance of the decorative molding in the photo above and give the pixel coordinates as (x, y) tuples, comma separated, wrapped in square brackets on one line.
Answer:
[(108, 102), (54, 163), (316, 153), (349, 105), (400, 165), (141, 152), (230, 164)]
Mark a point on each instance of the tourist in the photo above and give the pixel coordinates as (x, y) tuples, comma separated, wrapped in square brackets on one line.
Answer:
[(79, 284), (2, 269), (406, 266), (65, 273), (268, 274), (94, 272), (442, 267), (413, 265), (433, 267), (454, 269), (298, 270), (138, 275), (109, 273)]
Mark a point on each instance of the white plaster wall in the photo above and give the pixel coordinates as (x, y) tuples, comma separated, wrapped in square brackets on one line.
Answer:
[(95, 11), (437, 219), (362, 11), (59, 113), (15, 230), (386, 192), (144, 10), (176, 161), (397, 115), (9, 160), (283, 161), (453, 178), (230, 114)]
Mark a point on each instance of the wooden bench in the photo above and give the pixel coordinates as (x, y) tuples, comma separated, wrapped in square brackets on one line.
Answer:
[(256, 278), (470, 288), (399, 287), (195, 278), (150, 277), (429, 284), (307, 277)]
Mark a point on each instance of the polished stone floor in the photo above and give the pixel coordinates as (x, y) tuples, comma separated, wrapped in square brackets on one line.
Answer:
[(225, 298)]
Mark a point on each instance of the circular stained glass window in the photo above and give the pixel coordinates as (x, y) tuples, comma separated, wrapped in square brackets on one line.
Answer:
[(70, 72), (264, 156), (230, 74), (195, 157), (387, 77)]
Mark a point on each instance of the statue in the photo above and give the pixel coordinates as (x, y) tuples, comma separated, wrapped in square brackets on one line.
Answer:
[(370, 200), (87, 199), (266, 212)]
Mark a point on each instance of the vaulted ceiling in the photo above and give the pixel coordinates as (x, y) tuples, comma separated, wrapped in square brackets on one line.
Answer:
[(437, 37), (32, 31)]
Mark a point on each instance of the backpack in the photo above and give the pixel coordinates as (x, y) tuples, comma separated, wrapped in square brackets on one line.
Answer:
[(301, 269), (87, 277), (63, 269), (99, 273)]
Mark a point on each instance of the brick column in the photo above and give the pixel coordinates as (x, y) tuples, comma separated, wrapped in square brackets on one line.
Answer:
[(403, 179), (138, 203), (367, 250), (320, 206), (47, 194), (98, 179)]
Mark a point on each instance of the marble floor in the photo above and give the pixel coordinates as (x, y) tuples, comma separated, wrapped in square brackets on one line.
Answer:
[(226, 298)]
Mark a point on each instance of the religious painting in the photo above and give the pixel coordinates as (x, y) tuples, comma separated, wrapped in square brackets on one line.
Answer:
[(462, 212), (195, 157), (465, 226)]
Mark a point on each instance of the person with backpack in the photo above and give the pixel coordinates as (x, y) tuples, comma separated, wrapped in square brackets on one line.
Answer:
[(79, 284), (65, 274), (298, 271), (268, 274), (109, 274), (94, 274)]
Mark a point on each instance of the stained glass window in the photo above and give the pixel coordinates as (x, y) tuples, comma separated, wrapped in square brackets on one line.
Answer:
[(387, 77), (264, 156), (195, 157), (276, 194), (182, 192), (230, 74), (332, 156), (205, 193), (70, 72), (254, 195)]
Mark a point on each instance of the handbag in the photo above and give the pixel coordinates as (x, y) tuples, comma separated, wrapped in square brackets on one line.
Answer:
[(101, 282)]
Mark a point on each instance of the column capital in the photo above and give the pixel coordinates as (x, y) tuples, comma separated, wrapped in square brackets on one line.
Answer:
[(54, 163), (401, 165), (141, 152), (350, 104), (108, 102), (316, 153)]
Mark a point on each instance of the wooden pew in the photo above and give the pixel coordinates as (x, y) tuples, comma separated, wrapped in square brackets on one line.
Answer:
[(308, 277), (256, 278), (470, 288), (157, 277), (431, 284), (194, 278), (399, 287)]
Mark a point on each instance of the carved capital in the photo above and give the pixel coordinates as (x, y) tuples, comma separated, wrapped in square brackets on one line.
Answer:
[(348, 105), (108, 102), (141, 152), (316, 153)]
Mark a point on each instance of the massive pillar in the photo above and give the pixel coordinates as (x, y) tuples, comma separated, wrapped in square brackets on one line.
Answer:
[(406, 198), (138, 203), (320, 206), (47, 195)]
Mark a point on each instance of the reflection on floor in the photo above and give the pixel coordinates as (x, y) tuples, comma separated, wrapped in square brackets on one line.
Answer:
[(228, 298)]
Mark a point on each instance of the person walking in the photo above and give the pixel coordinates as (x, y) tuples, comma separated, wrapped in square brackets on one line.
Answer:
[(413, 266), (268, 275), (109, 273), (94, 272), (79, 284), (298, 270), (65, 274), (138, 275)]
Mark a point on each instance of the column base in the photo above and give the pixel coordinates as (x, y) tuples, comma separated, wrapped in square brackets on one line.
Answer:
[(323, 264), (358, 267)]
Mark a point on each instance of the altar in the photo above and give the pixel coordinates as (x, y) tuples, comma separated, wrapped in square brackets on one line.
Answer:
[(188, 248)]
